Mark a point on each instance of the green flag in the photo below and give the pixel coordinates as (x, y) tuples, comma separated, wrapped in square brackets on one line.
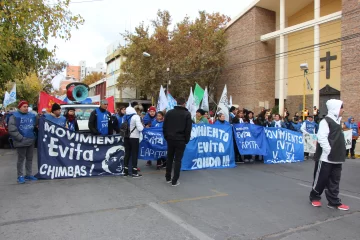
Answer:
[(198, 94)]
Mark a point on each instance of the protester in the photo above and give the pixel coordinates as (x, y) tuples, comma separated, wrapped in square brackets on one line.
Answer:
[(308, 127), (239, 118), (329, 156), (120, 115), (269, 121), (131, 142), (71, 121), (21, 129), (250, 117), (286, 115), (233, 112), (277, 122), (55, 116), (296, 117), (200, 119), (221, 120), (177, 130), (159, 124), (353, 126), (150, 117), (101, 122), (316, 113), (208, 117)]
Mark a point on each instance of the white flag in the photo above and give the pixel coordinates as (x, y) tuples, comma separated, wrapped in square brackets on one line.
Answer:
[(191, 104), (223, 104), (6, 99), (10, 97), (162, 101), (230, 102), (205, 101)]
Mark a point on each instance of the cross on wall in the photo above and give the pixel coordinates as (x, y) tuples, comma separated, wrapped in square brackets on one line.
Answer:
[(328, 59)]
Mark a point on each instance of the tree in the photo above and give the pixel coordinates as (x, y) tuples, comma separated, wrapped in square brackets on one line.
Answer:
[(46, 74), (26, 27), (93, 77), (193, 51)]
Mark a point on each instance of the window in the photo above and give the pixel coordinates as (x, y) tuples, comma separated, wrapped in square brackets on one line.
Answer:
[(82, 113)]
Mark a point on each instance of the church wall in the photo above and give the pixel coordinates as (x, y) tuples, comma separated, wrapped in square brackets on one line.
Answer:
[(350, 72), (249, 70)]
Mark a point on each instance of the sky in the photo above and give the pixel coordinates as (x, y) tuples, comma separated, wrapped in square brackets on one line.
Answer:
[(106, 19)]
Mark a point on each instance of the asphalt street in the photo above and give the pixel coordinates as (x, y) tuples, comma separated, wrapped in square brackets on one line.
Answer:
[(248, 202)]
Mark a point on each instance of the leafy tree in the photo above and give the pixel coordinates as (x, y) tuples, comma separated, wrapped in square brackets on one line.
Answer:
[(93, 77), (193, 51), (26, 27), (46, 74)]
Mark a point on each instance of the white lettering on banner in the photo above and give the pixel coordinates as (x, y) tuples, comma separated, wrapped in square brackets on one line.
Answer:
[(243, 134), (210, 162), (211, 147), (154, 139), (208, 131), (283, 135), (249, 145), (54, 150), (55, 172), (148, 152)]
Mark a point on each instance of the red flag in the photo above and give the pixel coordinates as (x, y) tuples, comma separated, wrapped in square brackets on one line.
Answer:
[(111, 104), (46, 101)]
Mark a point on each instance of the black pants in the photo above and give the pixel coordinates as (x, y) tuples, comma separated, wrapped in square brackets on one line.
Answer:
[(327, 176), (175, 153), (131, 149), (352, 150)]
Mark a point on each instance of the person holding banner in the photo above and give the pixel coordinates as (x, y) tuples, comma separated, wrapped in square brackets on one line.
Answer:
[(71, 121), (177, 131), (150, 117), (159, 124), (120, 115), (352, 125), (277, 123), (100, 121), (221, 120), (55, 116), (200, 117), (329, 156), (21, 128), (308, 127)]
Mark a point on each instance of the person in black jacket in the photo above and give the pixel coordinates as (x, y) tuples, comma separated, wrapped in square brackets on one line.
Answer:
[(101, 122), (177, 131)]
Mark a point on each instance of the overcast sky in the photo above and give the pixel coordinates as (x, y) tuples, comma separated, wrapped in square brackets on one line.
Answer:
[(106, 19)]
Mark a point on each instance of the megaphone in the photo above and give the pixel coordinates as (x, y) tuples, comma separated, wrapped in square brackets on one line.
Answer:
[(77, 92)]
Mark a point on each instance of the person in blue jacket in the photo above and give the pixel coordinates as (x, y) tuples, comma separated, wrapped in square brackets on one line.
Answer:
[(308, 127), (353, 126), (120, 115), (221, 120), (158, 123), (150, 117), (55, 116)]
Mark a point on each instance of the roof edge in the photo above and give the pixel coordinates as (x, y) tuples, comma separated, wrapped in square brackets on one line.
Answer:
[(248, 8)]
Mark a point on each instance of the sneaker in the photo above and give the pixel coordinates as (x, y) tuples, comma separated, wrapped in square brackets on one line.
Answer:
[(316, 203), (168, 181), (148, 163), (126, 172), (176, 184), (30, 178), (353, 157), (342, 207), (136, 175), (21, 180)]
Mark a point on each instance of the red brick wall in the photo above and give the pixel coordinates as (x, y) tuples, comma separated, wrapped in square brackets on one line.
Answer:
[(249, 81), (73, 71), (350, 70)]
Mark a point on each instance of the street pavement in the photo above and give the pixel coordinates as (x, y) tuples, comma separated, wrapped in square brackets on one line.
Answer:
[(248, 202)]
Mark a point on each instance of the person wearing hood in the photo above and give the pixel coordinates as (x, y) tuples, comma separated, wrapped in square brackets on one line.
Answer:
[(21, 128), (353, 126), (131, 142), (101, 122), (55, 116), (150, 117), (200, 117), (221, 120), (308, 127), (329, 156), (277, 122), (71, 121)]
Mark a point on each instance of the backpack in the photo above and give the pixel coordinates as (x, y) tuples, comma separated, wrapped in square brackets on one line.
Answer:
[(125, 127)]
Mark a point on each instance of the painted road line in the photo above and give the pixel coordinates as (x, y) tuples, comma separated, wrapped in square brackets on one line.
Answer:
[(218, 194), (194, 231), (342, 194)]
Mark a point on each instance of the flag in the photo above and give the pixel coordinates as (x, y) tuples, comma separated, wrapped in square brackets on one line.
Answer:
[(10, 97), (171, 102), (111, 104), (198, 95), (205, 101), (191, 105), (6, 99), (46, 101), (162, 103), (223, 104), (230, 101)]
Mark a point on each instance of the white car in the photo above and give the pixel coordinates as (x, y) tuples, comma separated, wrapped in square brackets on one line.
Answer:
[(82, 112)]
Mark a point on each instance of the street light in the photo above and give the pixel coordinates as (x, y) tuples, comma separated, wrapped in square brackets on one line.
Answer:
[(305, 68), (145, 54)]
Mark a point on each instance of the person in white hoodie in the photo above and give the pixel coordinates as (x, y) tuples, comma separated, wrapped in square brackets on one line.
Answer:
[(329, 156), (131, 142)]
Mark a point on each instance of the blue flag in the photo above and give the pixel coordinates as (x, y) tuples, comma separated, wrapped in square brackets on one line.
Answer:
[(66, 154), (153, 145), (210, 146), (284, 146), (171, 102), (250, 139)]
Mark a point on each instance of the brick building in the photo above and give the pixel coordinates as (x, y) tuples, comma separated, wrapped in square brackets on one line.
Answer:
[(73, 72), (269, 40)]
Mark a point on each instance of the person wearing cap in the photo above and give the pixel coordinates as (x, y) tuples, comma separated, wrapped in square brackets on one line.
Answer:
[(71, 121), (308, 127), (200, 118), (101, 121), (55, 116), (150, 117), (43, 111), (22, 124)]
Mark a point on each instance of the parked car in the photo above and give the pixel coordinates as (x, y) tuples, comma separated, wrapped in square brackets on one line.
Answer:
[(82, 112)]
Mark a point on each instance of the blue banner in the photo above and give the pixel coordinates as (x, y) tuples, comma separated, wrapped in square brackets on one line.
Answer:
[(284, 146), (250, 139), (153, 145), (210, 146), (66, 154)]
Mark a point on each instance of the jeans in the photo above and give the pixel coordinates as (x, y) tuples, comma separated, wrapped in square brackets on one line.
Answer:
[(25, 153)]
